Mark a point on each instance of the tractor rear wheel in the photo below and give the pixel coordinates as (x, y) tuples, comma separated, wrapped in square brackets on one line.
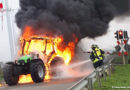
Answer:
[(57, 61)]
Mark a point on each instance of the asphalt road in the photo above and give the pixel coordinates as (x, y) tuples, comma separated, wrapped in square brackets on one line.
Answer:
[(62, 84)]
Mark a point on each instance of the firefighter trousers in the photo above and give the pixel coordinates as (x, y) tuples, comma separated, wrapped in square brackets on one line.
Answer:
[(97, 64)]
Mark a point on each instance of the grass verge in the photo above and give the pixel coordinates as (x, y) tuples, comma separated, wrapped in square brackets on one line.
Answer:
[(120, 78), (1, 76)]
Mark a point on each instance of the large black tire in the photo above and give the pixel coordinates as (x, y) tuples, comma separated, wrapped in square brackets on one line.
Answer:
[(9, 76), (57, 61), (37, 70)]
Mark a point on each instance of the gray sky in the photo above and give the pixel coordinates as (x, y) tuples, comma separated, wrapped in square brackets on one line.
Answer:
[(4, 40), (106, 42)]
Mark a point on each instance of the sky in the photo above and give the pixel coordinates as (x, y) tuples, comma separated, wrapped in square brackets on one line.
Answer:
[(4, 39), (106, 42)]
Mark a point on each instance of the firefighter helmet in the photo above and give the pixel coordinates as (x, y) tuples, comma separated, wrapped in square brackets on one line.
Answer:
[(94, 46)]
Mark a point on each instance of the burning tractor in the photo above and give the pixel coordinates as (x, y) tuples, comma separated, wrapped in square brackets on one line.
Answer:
[(31, 62)]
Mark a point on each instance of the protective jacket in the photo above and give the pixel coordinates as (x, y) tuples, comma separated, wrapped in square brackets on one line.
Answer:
[(97, 55)]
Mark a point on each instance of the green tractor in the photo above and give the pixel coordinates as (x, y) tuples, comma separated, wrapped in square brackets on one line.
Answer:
[(30, 62)]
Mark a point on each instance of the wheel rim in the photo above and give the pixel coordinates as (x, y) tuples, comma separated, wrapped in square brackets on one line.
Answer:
[(40, 71)]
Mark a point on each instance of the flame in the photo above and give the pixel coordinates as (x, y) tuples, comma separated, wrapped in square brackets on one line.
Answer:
[(2, 84), (38, 45), (25, 79), (47, 76)]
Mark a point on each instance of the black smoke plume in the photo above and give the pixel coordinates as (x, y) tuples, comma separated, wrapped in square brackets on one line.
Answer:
[(84, 18), (122, 7)]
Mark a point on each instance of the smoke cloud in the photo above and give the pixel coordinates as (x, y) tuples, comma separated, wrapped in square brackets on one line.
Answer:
[(122, 7), (84, 18)]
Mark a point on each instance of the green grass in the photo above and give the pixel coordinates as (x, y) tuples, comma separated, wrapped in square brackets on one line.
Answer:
[(120, 77), (1, 76)]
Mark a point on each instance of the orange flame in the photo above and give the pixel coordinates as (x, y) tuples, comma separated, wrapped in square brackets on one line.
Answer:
[(25, 79), (47, 76), (66, 52)]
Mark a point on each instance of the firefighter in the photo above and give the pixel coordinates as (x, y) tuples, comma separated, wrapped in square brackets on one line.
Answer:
[(97, 56)]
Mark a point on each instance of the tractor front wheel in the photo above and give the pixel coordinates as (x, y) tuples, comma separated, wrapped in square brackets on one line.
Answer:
[(37, 70), (9, 76)]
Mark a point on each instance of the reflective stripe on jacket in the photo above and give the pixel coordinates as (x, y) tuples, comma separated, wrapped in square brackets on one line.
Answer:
[(97, 55)]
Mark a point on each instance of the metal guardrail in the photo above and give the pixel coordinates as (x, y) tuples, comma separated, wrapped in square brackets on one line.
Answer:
[(87, 82)]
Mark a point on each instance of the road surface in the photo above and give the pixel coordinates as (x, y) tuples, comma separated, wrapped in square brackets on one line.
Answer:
[(62, 84)]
